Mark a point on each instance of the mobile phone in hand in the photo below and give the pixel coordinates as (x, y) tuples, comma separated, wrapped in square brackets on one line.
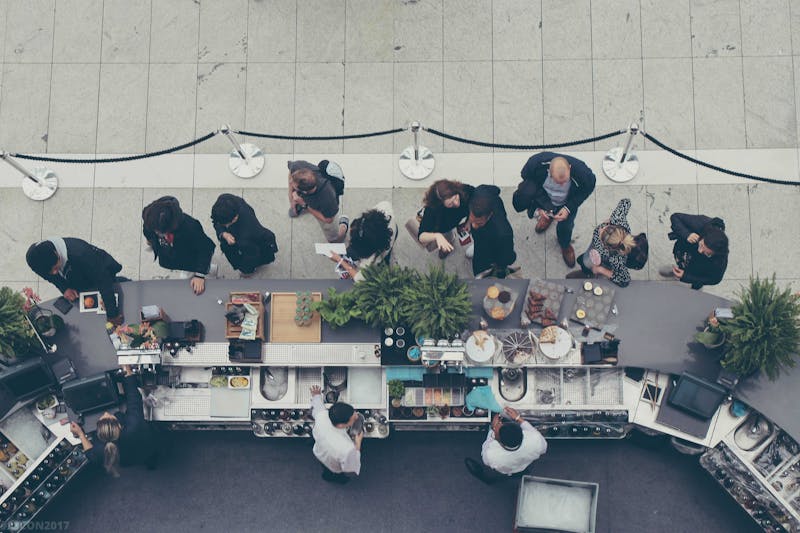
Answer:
[(63, 305)]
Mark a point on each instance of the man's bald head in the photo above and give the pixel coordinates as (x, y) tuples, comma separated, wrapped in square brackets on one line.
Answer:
[(559, 170)]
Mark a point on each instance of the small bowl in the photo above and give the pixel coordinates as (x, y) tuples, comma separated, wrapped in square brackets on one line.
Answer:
[(400, 331), (414, 353), (388, 332), (388, 341)]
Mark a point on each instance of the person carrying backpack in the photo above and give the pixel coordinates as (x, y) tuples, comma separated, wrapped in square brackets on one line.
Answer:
[(316, 189)]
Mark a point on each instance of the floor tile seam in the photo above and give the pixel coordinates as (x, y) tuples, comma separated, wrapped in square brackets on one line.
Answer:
[(149, 63), (344, 75), (196, 74), (744, 90)]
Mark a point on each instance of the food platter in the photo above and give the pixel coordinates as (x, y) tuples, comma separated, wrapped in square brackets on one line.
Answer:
[(518, 347), (238, 382), (559, 348), (481, 347)]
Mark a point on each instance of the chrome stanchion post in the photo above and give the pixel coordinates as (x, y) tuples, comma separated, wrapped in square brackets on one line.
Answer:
[(620, 164), (39, 185), (416, 162), (246, 160)]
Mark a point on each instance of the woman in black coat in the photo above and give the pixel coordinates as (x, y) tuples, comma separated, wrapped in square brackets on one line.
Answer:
[(245, 242), (701, 250), (446, 205), (178, 240), (122, 439)]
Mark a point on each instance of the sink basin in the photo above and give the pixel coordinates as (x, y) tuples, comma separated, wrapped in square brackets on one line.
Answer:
[(513, 384), (753, 433), (274, 382)]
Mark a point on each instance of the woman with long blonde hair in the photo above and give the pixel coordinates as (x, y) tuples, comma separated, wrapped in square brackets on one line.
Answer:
[(122, 439)]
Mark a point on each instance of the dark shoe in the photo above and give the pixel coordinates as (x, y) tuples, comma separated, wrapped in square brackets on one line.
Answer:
[(531, 212), (120, 279), (543, 223), (568, 254), (339, 479), (476, 470), (578, 274)]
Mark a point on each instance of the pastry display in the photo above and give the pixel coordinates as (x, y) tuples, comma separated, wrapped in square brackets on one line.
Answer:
[(517, 347), (549, 335)]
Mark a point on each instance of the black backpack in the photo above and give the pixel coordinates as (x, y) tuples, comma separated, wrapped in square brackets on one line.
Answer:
[(334, 173)]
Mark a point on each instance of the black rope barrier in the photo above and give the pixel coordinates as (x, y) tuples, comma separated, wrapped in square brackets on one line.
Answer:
[(525, 146), (118, 159), (715, 167), (319, 138)]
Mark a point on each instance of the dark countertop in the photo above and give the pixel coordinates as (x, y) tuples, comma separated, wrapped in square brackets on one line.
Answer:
[(656, 324)]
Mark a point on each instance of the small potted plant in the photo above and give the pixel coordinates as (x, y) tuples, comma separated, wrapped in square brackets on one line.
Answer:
[(17, 338), (712, 337), (397, 390), (764, 333)]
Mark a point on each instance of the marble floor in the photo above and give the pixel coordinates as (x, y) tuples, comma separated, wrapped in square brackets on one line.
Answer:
[(715, 79)]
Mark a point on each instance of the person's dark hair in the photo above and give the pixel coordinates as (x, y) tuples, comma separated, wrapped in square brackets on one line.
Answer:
[(340, 413), (510, 436), (637, 257), (369, 234), (42, 257), (481, 205), (225, 209), (162, 215), (441, 190), (715, 238)]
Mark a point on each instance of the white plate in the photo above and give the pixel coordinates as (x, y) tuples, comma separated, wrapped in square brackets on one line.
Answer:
[(558, 349), (477, 354)]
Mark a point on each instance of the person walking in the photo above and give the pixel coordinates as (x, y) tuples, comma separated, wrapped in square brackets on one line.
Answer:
[(245, 242), (313, 189)]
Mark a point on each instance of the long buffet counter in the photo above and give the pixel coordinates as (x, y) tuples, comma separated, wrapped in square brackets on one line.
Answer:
[(654, 322)]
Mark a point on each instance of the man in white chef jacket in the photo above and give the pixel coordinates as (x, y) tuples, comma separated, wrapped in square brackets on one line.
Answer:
[(333, 447), (509, 449)]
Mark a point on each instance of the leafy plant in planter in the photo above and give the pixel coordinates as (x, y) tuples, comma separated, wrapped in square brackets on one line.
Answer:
[(436, 304), (338, 308), (17, 338), (378, 295), (764, 333), (397, 390)]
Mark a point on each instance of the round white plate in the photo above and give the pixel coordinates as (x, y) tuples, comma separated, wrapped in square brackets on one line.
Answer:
[(558, 349), (478, 354)]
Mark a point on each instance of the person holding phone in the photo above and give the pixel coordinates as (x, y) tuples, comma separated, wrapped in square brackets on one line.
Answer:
[(700, 251), (511, 446)]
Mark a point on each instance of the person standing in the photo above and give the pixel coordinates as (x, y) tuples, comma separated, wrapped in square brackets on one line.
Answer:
[(313, 189), (700, 251), (333, 447), (446, 205), (178, 240), (553, 188), (74, 266), (245, 242), (509, 449), (491, 233), (608, 253), (372, 237), (122, 439)]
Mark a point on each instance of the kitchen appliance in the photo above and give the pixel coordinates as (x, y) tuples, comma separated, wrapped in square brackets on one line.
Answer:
[(513, 384), (697, 396)]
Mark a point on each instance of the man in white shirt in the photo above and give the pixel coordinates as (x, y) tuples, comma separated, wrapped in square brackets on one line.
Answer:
[(333, 447), (509, 449)]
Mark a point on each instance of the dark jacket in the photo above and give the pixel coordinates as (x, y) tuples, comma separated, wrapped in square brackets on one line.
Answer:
[(255, 245), (698, 269), (88, 268), (191, 249), (440, 219), (137, 443), (531, 194), (494, 242)]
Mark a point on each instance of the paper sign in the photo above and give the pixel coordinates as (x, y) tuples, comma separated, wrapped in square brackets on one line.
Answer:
[(325, 248)]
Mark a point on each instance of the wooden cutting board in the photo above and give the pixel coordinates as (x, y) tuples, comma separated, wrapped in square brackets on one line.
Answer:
[(281, 320)]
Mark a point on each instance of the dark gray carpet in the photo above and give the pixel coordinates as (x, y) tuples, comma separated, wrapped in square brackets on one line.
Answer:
[(232, 481)]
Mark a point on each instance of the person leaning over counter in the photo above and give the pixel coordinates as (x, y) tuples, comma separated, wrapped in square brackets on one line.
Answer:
[(74, 266), (127, 438), (371, 239), (333, 447), (178, 240), (700, 251), (509, 449), (245, 242), (491, 233), (445, 205)]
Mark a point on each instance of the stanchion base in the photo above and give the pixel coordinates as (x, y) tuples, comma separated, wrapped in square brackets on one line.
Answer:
[(416, 169), (617, 172), (45, 189), (250, 167)]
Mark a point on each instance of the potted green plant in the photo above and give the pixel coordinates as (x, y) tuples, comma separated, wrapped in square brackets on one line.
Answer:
[(764, 333), (338, 308), (397, 390), (17, 338), (711, 337), (436, 304), (379, 294)]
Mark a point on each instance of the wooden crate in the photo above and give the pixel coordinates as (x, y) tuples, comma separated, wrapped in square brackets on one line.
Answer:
[(281, 320), (232, 331)]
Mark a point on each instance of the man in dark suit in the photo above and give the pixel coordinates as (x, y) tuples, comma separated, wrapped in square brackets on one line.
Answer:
[(493, 236), (553, 187), (245, 242), (74, 266)]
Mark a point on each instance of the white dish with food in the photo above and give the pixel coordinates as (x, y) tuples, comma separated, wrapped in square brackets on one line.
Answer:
[(561, 345), (481, 347)]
